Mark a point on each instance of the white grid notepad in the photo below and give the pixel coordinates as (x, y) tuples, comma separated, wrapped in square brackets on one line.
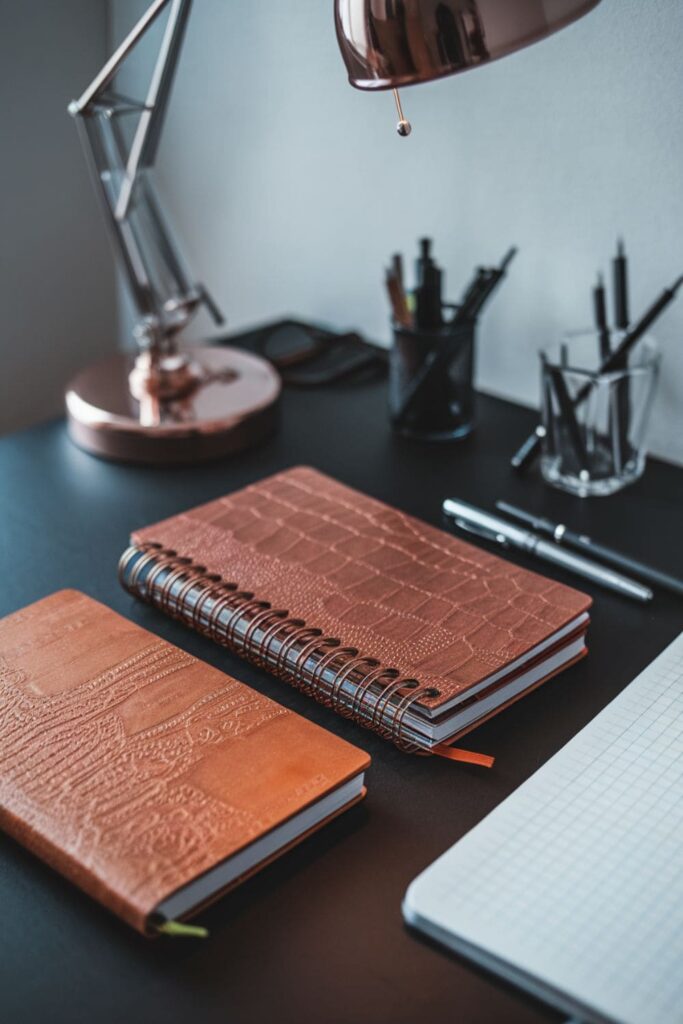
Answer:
[(573, 887)]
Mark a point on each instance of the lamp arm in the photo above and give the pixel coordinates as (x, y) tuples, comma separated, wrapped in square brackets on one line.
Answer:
[(146, 141), (160, 284), (105, 77)]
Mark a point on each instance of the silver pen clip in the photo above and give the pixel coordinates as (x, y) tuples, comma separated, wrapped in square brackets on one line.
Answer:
[(481, 531)]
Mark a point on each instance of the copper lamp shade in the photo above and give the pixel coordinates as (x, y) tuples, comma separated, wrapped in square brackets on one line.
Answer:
[(387, 44)]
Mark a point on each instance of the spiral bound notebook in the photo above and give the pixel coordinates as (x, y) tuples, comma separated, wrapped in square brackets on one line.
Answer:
[(409, 630), (573, 887)]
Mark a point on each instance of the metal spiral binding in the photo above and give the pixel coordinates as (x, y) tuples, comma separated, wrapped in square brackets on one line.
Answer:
[(381, 710)]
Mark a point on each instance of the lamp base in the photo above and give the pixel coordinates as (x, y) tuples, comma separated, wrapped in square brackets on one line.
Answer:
[(225, 400)]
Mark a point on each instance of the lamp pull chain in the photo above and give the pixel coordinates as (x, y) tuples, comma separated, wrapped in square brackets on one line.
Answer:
[(403, 127)]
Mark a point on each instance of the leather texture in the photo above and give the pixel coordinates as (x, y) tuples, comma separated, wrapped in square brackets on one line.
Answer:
[(415, 598), (132, 767)]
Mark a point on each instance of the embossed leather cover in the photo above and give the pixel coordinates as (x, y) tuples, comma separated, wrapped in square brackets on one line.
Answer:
[(131, 767), (400, 591)]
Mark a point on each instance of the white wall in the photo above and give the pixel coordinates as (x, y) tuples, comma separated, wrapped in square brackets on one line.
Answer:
[(290, 189), (57, 287)]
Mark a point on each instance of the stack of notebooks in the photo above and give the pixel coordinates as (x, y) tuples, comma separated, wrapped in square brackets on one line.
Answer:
[(155, 782), (412, 632)]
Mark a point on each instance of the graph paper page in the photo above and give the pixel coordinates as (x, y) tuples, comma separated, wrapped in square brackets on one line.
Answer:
[(573, 886)]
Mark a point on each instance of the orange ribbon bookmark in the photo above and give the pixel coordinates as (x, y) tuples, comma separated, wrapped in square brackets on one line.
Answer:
[(468, 756)]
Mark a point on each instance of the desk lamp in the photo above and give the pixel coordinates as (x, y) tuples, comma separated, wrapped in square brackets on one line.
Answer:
[(169, 405), (387, 44), (163, 405)]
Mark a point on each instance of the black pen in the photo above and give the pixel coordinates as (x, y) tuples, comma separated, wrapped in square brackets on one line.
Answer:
[(580, 542), (481, 287), (621, 318), (493, 528), (568, 415), (471, 295), (601, 319), (620, 268), (616, 358), (528, 451), (486, 283), (428, 304)]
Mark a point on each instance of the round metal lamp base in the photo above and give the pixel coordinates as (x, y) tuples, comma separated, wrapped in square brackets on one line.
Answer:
[(229, 402)]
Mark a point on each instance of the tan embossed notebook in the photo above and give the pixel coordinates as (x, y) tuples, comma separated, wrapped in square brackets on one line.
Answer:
[(413, 632), (146, 777)]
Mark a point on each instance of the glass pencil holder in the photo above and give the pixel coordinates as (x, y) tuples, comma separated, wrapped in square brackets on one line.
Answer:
[(431, 393), (595, 422)]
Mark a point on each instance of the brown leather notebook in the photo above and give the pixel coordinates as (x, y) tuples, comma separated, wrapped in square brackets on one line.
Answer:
[(413, 632), (146, 777)]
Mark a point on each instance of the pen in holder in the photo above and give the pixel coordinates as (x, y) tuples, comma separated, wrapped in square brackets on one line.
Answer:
[(594, 422), (431, 393), (431, 369)]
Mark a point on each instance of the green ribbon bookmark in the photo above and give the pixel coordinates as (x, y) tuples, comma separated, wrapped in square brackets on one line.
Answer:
[(179, 930)]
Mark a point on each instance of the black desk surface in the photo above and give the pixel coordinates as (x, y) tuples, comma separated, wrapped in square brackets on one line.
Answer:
[(317, 935)]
